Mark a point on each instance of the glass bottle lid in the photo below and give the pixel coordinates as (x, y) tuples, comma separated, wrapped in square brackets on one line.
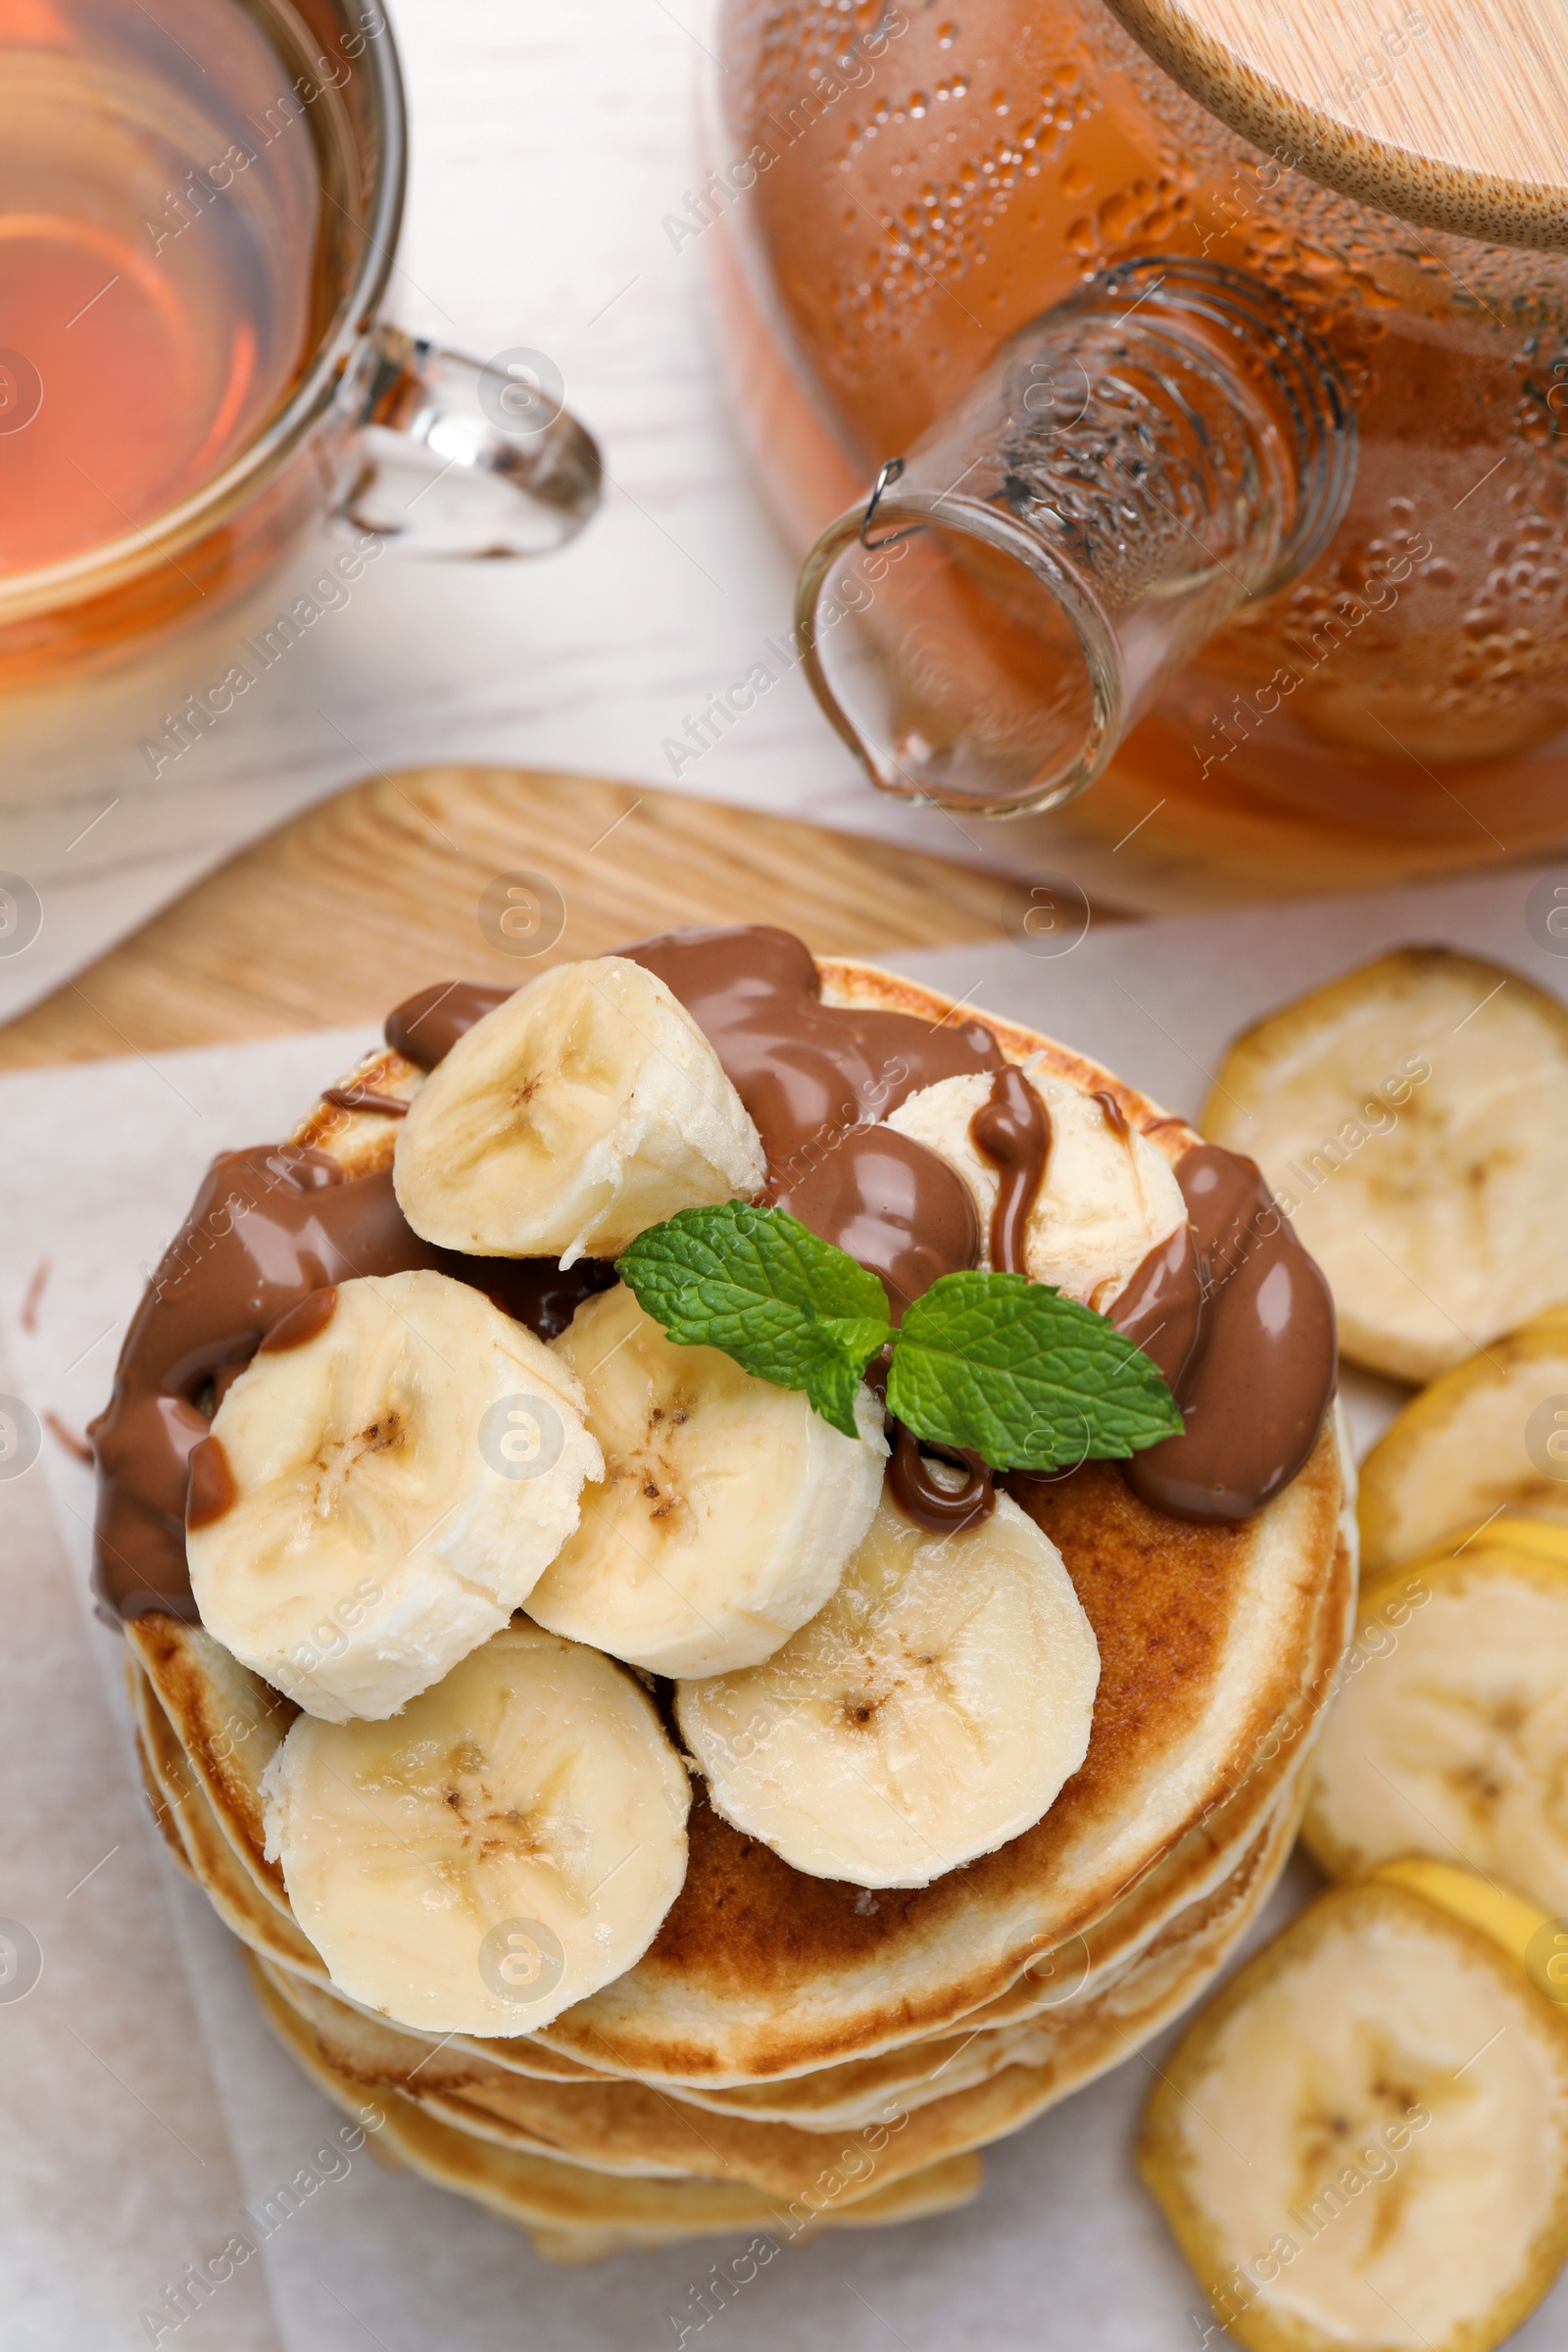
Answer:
[(1452, 112)]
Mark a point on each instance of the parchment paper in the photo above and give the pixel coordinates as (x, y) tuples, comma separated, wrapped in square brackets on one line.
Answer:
[(148, 2112)]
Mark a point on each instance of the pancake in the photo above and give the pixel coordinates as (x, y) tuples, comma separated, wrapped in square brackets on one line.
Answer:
[(445, 2137), (774, 2009), (852, 2092), (539, 2191), (229, 1723), (208, 1854), (847, 2098), (629, 2127), (200, 1710), (760, 1972)]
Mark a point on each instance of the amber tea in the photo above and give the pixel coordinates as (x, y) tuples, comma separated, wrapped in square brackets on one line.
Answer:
[(160, 288)]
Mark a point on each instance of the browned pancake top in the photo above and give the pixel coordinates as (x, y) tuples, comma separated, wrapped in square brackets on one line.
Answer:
[(1158, 1593)]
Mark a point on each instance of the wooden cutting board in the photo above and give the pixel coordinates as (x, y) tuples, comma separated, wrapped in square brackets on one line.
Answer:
[(377, 891)]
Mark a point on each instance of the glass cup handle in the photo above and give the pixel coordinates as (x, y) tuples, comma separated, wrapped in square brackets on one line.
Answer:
[(455, 459)]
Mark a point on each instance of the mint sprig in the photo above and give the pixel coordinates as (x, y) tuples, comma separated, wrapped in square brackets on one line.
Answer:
[(990, 1363), (1023, 1377), (764, 1287)]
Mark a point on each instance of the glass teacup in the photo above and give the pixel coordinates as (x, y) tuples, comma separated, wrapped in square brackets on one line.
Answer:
[(199, 210)]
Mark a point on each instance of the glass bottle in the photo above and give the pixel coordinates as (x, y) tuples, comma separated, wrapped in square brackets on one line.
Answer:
[(1195, 475)]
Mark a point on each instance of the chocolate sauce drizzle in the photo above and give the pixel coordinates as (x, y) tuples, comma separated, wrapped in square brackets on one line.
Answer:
[(269, 1233), (1011, 1130), (364, 1097), (941, 1510), (816, 1078), (1230, 1308), (1241, 1322), (425, 1027), (1115, 1118)]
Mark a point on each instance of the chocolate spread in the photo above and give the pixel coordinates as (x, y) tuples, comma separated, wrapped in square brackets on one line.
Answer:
[(939, 1510), (364, 1097), (815, 1079), (1230, 1308), (425, 1027), (1241, 1322), (1011, 1129), (270, 1227)]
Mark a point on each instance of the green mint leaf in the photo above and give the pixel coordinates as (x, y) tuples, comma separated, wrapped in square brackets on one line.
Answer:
[(1025, 1378), (756, 1282), (832, 1385)]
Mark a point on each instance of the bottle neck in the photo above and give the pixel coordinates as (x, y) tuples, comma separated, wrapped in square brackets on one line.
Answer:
[(1129, 468)]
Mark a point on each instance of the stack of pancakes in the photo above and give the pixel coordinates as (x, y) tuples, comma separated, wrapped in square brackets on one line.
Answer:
[(795, 2053)]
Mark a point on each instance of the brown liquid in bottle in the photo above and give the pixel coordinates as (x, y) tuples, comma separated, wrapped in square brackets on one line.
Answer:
[(1392, 711)]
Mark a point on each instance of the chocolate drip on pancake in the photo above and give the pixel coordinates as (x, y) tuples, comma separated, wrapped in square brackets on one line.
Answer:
[(364, 1097), (1013, 1131), (1241, 1322), (941, 1510), (270, 1227), (894, 1205), (427, 1026), (1230, 1308), (815, 1079)]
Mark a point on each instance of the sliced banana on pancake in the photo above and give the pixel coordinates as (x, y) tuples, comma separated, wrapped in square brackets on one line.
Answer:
[(581, 1111), (1410, 1117), (1362, 2144), (383, 1486), (727, 1507), (506, 1847), (1489, 1434), (1449, 1734), (1107, 1197), (931, 1711)]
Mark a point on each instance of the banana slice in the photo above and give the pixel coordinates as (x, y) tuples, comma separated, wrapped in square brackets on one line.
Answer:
[(504, 1848), (383, 1486), (1411, 1118), (585, 1108), (930, 1712), (1492, 1433), (1362, 2144), (1107, 1199), (1449, 1736), (728, 1506)]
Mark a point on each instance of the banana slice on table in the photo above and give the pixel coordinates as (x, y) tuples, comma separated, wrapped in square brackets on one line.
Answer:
[(383, 1486), (1410, 1117), (1108, 1197), (1362, 2143), (1450, 1734), (931, 1711), (727, 1507), (585, 1108), (506, 1847), (1493, 1432)]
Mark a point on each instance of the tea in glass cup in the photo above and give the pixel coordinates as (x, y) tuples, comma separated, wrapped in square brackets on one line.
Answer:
[(199, 205)]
